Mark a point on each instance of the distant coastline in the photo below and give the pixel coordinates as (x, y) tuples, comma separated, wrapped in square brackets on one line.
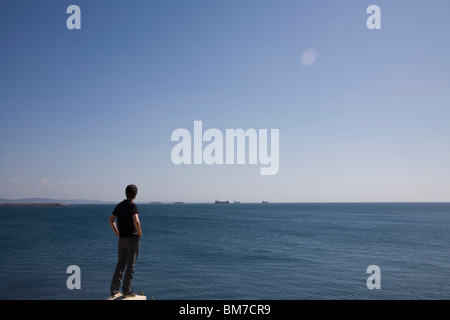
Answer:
[(47, 202), (33, 205)]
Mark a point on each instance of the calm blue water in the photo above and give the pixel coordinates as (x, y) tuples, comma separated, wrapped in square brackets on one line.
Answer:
[(235, 251)]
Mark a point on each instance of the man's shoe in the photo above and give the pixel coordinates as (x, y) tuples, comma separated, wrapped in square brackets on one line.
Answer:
[(114, 295), (129, 295)]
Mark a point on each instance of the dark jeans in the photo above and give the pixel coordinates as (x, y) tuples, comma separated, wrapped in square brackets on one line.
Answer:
[(128, 252)]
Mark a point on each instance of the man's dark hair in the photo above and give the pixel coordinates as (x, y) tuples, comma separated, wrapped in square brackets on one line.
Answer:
[(131, 191)]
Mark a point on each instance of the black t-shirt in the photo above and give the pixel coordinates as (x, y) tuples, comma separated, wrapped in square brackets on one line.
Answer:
[(124, 212)]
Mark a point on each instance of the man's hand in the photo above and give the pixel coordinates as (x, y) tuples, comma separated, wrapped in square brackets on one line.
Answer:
[(139, 234)]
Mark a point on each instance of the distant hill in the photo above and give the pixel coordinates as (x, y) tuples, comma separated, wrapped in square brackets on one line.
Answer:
[(47, 200)]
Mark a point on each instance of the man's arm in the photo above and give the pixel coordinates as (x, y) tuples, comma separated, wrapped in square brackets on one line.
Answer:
[(137, 224), (112, 222)]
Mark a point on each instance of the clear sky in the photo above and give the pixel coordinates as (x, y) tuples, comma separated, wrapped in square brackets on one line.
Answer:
[(85, 112)]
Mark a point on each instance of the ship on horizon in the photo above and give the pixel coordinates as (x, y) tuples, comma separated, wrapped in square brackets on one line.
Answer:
[(220, 202)]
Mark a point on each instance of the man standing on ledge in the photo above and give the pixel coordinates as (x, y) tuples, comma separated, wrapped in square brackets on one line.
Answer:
[(128, 229)]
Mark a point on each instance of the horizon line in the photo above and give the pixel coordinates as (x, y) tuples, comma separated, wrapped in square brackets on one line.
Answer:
[(154, 202)]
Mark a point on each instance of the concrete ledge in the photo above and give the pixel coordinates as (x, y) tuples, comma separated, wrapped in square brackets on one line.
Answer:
[(121, 297)]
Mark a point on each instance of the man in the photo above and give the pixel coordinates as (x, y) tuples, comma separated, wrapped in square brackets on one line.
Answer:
[(128, 229)]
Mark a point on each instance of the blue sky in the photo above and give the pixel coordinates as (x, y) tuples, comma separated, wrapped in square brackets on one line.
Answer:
[(85, 112)]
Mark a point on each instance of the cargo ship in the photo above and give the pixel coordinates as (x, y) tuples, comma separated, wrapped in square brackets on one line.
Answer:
[(220, 202)]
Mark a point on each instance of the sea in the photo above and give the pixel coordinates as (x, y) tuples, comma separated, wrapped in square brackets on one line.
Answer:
[(236, 251)]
